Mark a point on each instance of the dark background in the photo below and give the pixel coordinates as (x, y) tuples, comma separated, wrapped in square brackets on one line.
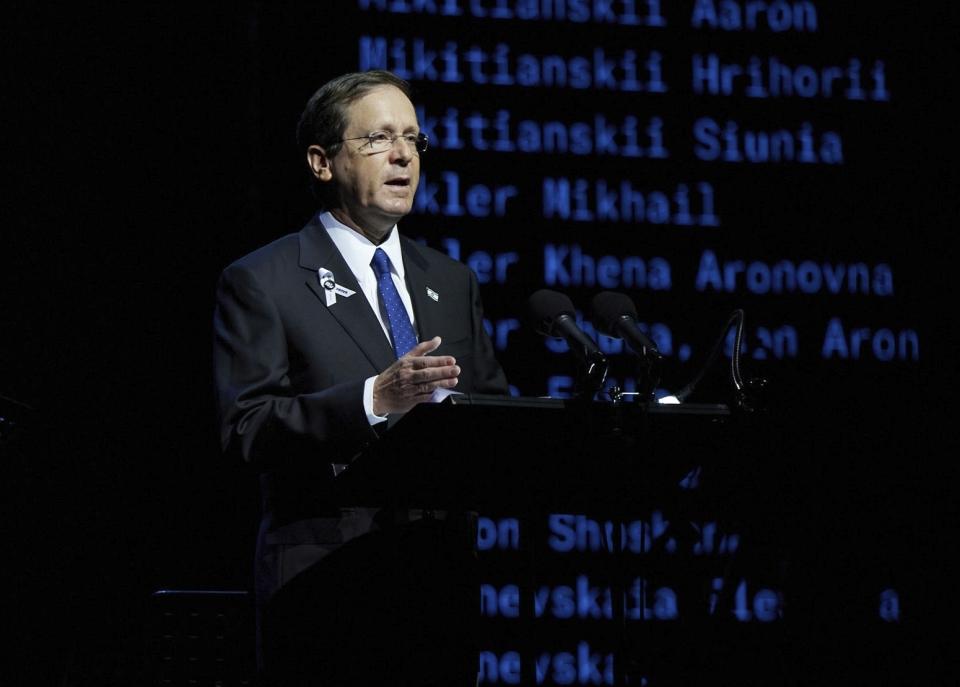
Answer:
[(147, 147)]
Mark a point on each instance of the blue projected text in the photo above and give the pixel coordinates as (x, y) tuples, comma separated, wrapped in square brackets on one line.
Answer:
[(772, 78), (786, 276), (729, 143), (764, 343), (569, 532), (856, 343), (411, 59), (445, 198), (622, 12), (500, 331), (489, 267), (583, 666), (777, 16), (502, 534), (568, 265), (597, 200), (499, 132)]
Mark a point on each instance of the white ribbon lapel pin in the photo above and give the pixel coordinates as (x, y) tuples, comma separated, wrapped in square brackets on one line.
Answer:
[(331, 289)]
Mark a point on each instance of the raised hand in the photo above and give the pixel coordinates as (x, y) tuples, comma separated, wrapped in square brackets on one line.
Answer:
[(413, 378)]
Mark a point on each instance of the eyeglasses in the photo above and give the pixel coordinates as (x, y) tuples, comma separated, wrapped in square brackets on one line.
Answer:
[(382, 141)]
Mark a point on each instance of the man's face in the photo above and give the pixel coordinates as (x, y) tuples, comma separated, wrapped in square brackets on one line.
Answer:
[(376, 187)]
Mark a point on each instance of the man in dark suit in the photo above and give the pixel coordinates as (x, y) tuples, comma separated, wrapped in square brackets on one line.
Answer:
[(321, 337)]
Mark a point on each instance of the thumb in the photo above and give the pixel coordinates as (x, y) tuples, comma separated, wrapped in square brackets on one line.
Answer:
[(423, 348)]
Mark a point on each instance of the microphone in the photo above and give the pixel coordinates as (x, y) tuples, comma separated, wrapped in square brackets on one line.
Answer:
[(553, 315), (615, 315)]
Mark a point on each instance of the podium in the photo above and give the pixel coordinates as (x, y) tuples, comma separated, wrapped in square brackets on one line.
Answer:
[(526, 458), (477, 452), (604, 562)]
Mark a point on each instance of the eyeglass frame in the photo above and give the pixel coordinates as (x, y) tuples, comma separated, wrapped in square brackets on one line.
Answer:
[(419, 143)]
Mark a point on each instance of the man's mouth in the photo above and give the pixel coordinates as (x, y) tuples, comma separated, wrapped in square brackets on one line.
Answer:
[(399, 181)]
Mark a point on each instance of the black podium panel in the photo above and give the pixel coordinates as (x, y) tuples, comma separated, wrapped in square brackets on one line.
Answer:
[(484, 452)]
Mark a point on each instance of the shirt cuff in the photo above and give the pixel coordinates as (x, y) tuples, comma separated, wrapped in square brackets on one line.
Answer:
[(368, 402)]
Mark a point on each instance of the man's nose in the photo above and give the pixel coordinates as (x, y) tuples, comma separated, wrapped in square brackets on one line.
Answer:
[(402, 151)]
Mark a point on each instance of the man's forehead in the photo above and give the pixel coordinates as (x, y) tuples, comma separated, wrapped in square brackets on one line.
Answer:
[(382, 105)]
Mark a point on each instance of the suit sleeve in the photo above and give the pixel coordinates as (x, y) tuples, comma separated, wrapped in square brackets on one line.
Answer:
[(263, 418), (488, 375)]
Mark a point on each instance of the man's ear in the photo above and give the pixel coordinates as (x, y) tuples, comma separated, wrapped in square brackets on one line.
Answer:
[(319, 163)]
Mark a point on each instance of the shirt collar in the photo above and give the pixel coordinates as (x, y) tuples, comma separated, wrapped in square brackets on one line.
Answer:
[(358, 250)]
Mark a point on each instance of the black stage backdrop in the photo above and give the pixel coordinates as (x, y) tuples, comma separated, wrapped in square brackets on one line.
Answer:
[(793, 159)]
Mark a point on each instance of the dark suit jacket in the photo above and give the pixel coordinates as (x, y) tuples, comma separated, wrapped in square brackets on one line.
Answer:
[(289, 373)]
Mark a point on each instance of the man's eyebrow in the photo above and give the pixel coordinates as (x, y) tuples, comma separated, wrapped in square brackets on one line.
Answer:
[(391, 128)]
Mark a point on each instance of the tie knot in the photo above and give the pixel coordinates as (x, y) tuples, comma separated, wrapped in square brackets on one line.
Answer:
[(380, 263)]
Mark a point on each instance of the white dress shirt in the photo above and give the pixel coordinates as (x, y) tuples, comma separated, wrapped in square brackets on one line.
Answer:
[(357, 251)]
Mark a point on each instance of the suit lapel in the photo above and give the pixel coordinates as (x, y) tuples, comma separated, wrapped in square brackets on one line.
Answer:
[(354, 313), (425, 309)]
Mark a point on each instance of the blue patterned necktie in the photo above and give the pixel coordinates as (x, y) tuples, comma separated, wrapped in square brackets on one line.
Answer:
[(401, 330)]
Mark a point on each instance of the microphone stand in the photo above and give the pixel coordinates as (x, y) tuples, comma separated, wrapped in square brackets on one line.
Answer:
[(649, 374), (591, 376)]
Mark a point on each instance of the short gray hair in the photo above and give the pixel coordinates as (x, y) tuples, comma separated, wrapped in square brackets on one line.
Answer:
[(324, 118)]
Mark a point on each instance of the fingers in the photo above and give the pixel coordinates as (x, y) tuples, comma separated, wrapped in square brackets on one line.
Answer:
[(430, 373), (423, 348), (413, 378), (423, 390), (419, 359)]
